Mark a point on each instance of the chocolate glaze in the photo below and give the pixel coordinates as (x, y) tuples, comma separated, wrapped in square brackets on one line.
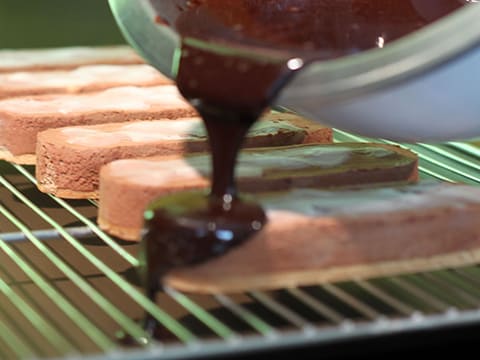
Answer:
[(236, 56), (315, 29)]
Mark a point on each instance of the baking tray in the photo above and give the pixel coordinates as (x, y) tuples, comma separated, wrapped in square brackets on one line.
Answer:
[(67, 289)]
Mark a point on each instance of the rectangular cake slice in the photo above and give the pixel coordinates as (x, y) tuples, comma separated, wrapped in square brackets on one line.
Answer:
[(65, 58), (128, 186), (22, 118), (315, 236), (83, 79), (69, 159)]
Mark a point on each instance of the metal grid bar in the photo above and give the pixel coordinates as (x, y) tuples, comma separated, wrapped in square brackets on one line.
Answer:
[(282, 311), (419, 292), (350, 300), (161, 316), (213, 323), (451, 287), (109, 308), (395, 303), (101, 339), (433, 161), (199, 325), (324, 310), (50, 333), (89, 224), (249, 317), (129, 326), (50, 234)]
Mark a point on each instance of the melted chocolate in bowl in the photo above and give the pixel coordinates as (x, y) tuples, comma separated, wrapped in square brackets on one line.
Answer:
[(236, 57)]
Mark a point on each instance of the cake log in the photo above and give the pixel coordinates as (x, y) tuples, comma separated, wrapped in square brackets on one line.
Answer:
[(128, 186), (313, 237), (65, 58), (69, 159), (22, 118), (79, 80)]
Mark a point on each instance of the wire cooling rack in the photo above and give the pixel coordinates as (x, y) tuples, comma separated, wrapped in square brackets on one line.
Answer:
[(67, 289)]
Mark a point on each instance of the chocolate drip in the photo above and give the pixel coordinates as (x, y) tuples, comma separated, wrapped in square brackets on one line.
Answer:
[(188, 228)]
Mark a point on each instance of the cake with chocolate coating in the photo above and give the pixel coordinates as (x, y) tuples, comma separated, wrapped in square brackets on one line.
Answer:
[(315, 236), (69, 159), (128, 186)]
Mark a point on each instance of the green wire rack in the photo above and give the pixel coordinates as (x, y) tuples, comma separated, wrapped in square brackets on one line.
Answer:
[(67, 288)]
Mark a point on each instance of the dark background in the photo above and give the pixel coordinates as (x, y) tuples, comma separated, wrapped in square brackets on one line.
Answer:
[(49, 23)]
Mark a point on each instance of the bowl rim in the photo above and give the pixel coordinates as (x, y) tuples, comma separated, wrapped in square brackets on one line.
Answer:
[(136, 22), (409, 56), (341, 78)]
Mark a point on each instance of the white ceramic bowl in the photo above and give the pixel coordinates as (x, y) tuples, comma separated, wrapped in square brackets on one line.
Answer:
[(423, 87)]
